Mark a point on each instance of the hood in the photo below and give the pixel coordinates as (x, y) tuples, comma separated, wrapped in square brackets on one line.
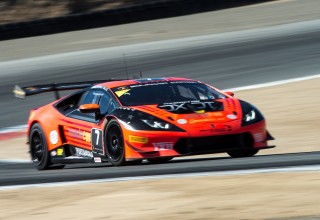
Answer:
[(197, 115)]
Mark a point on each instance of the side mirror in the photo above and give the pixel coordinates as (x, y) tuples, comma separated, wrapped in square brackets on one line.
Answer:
[(229, 93), (89, 108)]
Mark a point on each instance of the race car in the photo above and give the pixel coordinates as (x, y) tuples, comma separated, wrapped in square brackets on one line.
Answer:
[(127, 121)]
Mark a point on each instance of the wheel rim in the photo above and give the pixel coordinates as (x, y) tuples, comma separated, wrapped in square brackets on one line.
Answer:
[(115, 145), (37, 148)]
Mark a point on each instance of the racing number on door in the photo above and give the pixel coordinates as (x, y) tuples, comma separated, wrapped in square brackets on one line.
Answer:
[(96, 140)]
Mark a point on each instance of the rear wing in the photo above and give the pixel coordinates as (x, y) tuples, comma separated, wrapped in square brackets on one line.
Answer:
[(23, 92)]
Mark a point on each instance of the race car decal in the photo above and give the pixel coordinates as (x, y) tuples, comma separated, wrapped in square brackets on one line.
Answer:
[(202, 120), (82, 152), (163, 146), (75, 133), (137, 139), (214, 128), (60, 152), (54, 137), (79, 134), (192, 107), (86, 136), (96, 141), (182, 121), (122, 92), (232, 116)]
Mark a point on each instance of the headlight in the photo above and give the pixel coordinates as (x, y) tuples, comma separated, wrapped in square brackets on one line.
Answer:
[(251, 114), (157, 124), (137, 120)]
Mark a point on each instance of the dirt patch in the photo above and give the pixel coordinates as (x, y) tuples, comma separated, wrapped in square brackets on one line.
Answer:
[(14, 149), (292, 114), (258, 196)]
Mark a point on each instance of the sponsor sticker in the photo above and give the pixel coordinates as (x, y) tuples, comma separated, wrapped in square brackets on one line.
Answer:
[(76, 133), (86, 136), (53, 153), (122, 92), (231, 116), (80, 134), (83, 153), (182, 121), (192, 121), (60, 152), (97, 160), (163, 146), (137, 139), (53, 137)]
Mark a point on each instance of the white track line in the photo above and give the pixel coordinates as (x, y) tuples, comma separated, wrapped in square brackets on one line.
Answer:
[(315, 168), (13, 161), (275, 83)]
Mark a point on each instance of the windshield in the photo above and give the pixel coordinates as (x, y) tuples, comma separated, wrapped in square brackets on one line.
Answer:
[(165, 92)]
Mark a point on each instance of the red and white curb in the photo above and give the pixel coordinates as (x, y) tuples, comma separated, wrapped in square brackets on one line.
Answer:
[(12, 132)]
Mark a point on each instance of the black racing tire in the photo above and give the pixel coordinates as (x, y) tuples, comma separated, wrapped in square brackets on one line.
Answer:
[(243, 153), (160, 160), (39, 148), (114, 143)]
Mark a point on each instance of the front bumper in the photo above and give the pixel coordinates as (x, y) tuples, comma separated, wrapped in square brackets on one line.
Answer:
[(174, 144)]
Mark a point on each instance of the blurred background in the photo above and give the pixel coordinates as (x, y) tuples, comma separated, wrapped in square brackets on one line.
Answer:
[(27, 10)]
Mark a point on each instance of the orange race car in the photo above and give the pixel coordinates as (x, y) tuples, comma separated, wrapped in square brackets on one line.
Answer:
[(126, 121)]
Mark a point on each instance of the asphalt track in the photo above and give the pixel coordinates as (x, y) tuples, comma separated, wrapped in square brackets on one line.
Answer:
[(24, 173)]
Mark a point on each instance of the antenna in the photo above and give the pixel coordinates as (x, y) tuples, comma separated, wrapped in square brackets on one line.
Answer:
[(125, 65), (141, 75)]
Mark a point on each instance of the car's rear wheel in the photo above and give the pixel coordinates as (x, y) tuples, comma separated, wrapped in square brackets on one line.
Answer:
[(243, 153), (39, 148), (160, 159), (114, 143)]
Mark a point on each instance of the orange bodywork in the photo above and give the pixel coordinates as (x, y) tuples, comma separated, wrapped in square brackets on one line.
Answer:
[(141, 144)]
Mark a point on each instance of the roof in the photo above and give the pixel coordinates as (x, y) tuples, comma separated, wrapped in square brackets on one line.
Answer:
[(114, 84)]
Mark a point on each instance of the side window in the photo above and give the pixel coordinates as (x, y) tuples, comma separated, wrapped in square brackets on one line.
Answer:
[(70, 103), (93, 96), (104, 103), (107, 104), (112, 106)]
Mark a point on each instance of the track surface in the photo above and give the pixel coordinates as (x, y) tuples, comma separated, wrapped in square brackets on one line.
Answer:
[(18, 174), (225, 60)]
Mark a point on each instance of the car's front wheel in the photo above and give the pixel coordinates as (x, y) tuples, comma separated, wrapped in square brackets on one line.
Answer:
[(114, 143), (39, 148), (243, 153)]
